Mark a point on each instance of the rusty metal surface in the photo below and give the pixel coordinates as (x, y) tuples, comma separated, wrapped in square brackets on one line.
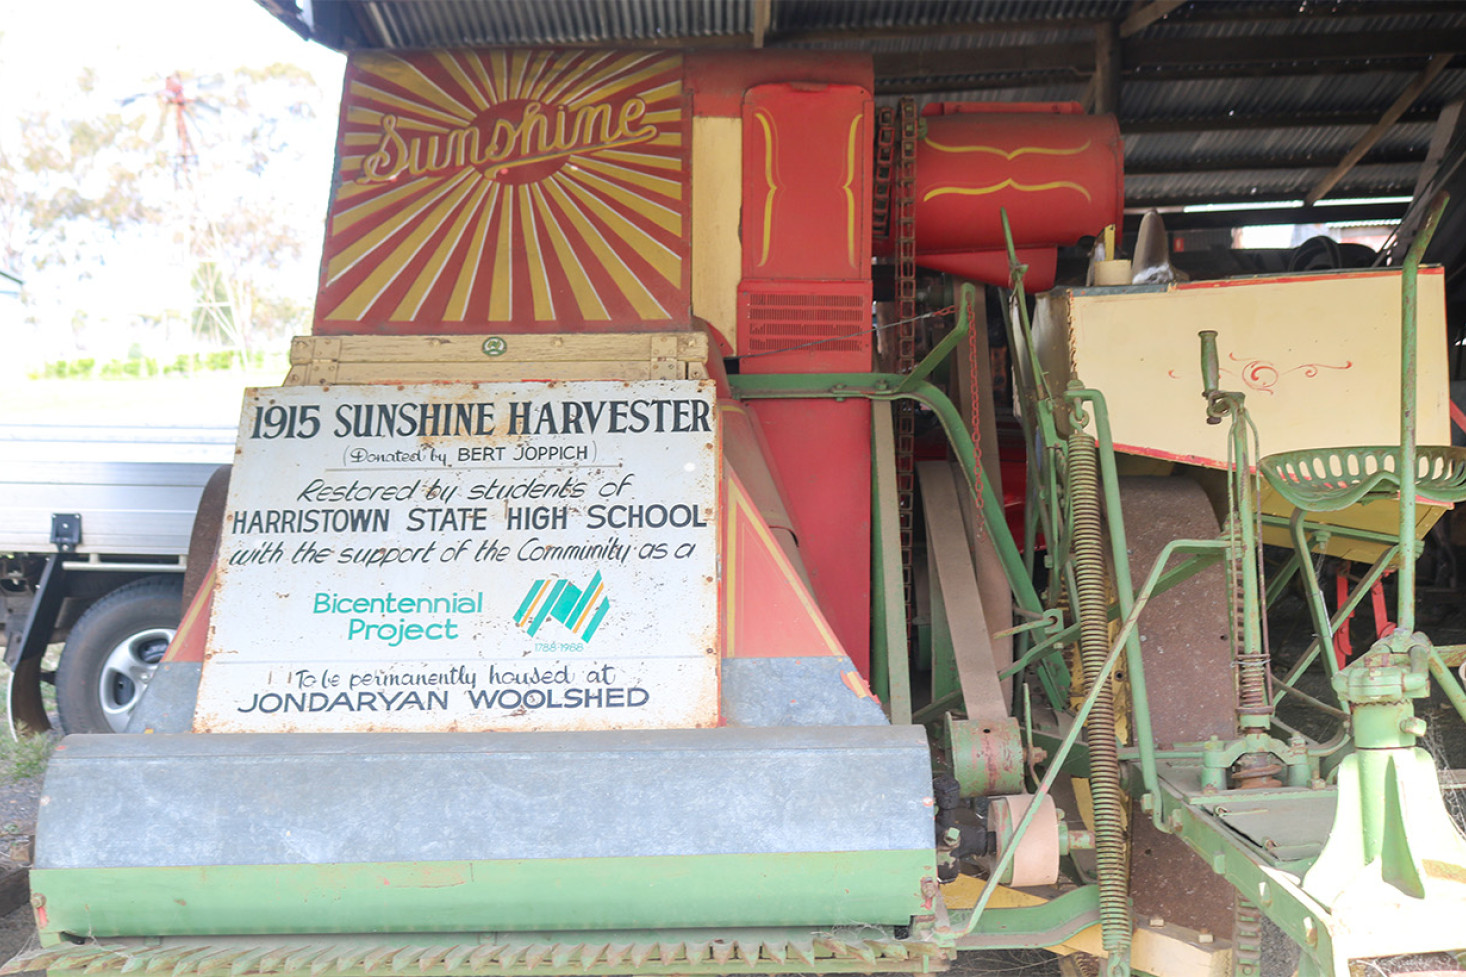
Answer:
[(1188, 674), (208, 522), (868, 950)]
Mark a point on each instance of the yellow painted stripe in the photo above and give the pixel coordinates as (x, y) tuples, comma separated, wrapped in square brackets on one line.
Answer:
[(656, 184), (444, 100), (377, 236), (670, 90), (368, 117), (536, 70), (1009, 154), (935, 192), (633, 288), (586, 299), (850, 193), (614, 68), (641, 159), (450, 62), (481, 72), (544, 589), (667, 139), (573, 78), (457, 309), (666, 115), (518, 61), (656, 254), (539, 281), (347, 190), (427, 281), (365, 295), (604, 91), (499, 65), (664, 217), (363, 90), (344, 219), (501, 295), (556, 72), (773, 188), (590, 605), (735, 508), (796, 585), (360, 139)]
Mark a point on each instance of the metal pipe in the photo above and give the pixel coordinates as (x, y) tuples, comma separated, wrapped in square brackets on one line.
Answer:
[(1375, 572), (1405, 613), (1320, 614)]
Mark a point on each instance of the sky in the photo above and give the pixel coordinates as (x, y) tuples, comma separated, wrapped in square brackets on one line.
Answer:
[(131, 47)]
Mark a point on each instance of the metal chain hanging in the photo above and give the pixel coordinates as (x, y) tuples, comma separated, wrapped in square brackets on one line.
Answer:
[(905, 208)]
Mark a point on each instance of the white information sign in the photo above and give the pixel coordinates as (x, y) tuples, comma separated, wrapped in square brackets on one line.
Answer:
[(468, 556)]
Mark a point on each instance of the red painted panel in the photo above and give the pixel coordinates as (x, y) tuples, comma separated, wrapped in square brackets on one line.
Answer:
[(719, 79), (821, 450), (768, 612), (1058, 175), (509, 191), (192, 635), (806, 182)]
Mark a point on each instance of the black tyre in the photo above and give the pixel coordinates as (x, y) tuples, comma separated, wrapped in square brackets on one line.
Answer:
[(113, 651)]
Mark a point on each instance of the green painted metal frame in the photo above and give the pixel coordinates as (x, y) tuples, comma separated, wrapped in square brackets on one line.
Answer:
[(454, 896)]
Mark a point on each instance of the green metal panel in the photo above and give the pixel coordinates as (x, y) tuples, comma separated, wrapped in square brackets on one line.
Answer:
[(530, 894)]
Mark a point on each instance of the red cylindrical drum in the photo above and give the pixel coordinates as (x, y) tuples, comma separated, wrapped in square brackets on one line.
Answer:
[(1059, 175)]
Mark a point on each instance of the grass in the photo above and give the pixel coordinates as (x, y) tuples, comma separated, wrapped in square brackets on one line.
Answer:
[(24, 758)]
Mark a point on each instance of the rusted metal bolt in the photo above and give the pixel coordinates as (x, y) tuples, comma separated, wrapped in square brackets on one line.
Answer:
[(1037, 754), (37, 900), (1413, 726)]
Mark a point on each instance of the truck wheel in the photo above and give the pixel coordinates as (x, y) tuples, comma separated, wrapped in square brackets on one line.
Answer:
[(112, 652)]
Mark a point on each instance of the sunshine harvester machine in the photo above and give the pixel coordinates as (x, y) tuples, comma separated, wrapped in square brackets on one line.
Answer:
[(603, 592)]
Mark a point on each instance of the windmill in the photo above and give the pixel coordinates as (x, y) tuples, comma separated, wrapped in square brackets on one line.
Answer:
[(181, 105)]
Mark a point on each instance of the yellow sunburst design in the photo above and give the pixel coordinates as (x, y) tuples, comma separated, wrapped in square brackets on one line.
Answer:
[(430, 199)]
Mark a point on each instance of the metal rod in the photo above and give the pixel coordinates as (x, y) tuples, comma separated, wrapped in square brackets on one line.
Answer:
[(1322, 626), (1374, 573), (1405, 614)]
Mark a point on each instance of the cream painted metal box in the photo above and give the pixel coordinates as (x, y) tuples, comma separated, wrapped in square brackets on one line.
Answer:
[(1318, 357)]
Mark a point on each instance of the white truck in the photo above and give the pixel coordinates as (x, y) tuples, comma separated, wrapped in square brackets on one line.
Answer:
[(95, 525)]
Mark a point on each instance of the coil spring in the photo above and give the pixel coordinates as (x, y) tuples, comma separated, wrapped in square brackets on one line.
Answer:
[(1252, 664), (1088, 552)]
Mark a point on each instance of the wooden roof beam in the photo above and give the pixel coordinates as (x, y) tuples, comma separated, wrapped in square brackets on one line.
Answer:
[(1377, 132), (1145, 14)]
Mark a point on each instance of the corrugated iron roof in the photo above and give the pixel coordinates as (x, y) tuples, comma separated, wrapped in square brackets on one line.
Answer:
[(1208, 120)]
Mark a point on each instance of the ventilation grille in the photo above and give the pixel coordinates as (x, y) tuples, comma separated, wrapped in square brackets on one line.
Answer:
[(775, 321)]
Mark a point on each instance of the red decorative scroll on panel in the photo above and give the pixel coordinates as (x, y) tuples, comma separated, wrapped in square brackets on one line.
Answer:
[(530, 189)]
